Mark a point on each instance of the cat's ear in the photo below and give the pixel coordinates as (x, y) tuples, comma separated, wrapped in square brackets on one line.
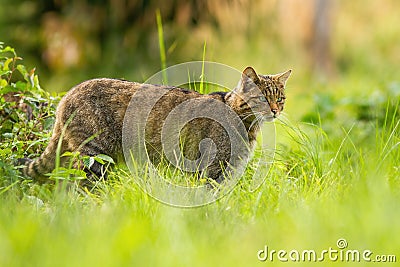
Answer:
[(249, 72), (282, 77)]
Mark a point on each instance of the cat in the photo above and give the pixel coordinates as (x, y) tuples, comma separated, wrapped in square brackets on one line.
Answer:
[(90, 118)]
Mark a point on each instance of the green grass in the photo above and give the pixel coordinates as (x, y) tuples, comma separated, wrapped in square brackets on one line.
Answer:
[(161, 44), (318, 190)]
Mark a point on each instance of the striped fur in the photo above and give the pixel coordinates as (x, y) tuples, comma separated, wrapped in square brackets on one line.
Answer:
[(90, 117)]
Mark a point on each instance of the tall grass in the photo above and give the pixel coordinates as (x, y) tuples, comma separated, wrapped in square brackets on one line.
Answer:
[(202, 89), (161, 44), (318, 190)]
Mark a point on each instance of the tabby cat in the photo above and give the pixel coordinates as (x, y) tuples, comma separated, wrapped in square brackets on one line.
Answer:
[(90, 120)]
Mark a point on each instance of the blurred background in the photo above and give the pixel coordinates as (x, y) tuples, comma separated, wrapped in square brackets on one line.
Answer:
[(324, 42)]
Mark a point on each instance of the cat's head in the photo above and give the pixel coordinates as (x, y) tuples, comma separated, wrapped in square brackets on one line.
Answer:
[(262, 95)]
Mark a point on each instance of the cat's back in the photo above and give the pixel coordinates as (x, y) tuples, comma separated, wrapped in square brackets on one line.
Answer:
[(104, 99), (105, 90), (97, 96), (100, 88)]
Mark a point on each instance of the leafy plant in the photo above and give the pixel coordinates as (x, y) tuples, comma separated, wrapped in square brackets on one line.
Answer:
[(26, 111)]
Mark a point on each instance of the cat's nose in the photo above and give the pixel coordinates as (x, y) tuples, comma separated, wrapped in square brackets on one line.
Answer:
[(275, 111)]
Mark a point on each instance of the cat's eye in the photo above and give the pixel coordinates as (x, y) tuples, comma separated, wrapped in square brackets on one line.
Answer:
[(262, 98), (280, 99)]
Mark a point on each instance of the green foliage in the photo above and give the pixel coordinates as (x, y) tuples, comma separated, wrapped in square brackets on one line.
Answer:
[(77, 163), (379, 108), (26, 112)]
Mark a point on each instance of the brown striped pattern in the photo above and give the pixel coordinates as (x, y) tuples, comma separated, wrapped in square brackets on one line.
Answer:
[(90, 119)]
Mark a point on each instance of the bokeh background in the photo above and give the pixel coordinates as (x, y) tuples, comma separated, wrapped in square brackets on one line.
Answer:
[(322, 41)]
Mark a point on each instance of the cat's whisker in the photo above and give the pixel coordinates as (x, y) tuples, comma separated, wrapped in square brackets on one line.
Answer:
[(248, 116), (259, 118)]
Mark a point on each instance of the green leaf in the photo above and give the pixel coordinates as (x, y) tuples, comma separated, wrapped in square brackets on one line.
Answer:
[(88, 162), (35, 82), (3, 82), (70, 154), (5, 151), (24, 72), (67, 174), (9, 49), (21, 86), (101, 158), (7, 89), (6, 63)]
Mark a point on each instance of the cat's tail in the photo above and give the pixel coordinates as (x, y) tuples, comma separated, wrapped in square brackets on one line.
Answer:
[(38, 168)]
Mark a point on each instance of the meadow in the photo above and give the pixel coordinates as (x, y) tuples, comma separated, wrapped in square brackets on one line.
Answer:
[(334, 183)]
